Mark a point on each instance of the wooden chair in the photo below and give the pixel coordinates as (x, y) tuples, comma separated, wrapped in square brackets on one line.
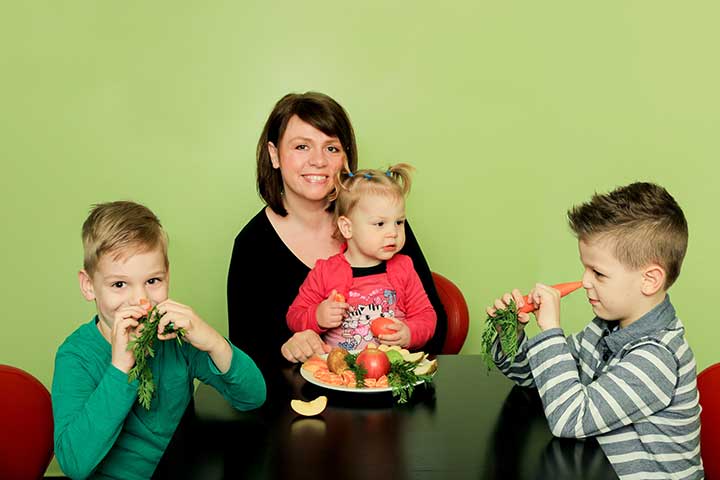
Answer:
[(26, 422), (458, 316), (708, 383)]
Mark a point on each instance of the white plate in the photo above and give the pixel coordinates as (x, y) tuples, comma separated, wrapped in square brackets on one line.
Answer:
[(310, 378)]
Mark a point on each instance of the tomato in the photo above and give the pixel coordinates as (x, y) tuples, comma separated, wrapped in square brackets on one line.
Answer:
[(374, 361), (379, 326)]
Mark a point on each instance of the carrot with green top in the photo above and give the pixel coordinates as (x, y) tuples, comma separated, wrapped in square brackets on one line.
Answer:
[(505, 324), (142, 347)]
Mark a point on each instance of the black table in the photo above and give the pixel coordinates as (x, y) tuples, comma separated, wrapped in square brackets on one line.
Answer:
[(470, 424)]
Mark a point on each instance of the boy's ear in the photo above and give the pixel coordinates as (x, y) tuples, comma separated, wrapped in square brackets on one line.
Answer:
[(274, 157), (86, 286), (345, 227), (653, 279)]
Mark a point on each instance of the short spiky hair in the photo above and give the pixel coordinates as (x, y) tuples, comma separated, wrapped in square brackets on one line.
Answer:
[(118, 228), (644, 222)]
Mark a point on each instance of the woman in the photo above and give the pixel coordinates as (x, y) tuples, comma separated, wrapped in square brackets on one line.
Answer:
[(306, 140)]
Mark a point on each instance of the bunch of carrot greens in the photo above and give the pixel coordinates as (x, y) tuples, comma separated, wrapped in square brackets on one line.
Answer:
[(504, 324), (142, 348)]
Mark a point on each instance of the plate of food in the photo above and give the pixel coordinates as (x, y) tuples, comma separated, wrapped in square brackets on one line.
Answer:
[(373, 370)]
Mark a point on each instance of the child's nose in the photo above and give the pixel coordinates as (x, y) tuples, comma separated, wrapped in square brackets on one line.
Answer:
[(139, 297)]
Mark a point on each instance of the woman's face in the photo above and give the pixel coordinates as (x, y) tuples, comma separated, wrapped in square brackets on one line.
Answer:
[(308, 161)]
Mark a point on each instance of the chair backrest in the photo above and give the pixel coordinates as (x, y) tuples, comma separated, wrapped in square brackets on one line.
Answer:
[(456, 308), (26, 423), (708, 383)]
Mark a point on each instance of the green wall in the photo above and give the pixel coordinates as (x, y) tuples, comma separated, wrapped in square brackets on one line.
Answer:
[(511, 112)]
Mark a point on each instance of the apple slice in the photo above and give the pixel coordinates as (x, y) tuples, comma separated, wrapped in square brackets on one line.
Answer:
[(311, 408), (427, 368), (414, 357)]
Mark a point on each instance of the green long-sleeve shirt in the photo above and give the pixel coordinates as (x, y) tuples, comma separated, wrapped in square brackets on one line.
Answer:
[(100, 429)]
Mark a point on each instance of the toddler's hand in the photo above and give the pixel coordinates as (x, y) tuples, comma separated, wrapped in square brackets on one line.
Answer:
[(401, 337), (198, 333), (125, 328), (548, 300), (331, 311)]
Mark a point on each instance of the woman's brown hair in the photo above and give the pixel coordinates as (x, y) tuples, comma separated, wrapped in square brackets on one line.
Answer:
[(316, 109)]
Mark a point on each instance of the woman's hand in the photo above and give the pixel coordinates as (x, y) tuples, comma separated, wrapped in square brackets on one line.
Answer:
[(303, 345)]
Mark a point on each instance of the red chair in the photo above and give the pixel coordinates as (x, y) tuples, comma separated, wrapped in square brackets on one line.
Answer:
[(26, 423), (708, 383), (458, 316)]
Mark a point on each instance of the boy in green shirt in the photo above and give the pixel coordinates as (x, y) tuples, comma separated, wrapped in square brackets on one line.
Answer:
[(101, 430)]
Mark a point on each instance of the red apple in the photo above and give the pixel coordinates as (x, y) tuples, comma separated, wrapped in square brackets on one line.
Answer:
[(374, 361), (379, 326)]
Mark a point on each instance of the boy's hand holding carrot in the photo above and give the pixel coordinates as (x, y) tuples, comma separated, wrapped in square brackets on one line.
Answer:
[(125, 328), (544, 300), (330, 312), (504, 302), (197, 332), (547, 300)]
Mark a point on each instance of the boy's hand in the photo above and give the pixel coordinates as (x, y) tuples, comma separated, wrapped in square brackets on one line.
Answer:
[(125, 329), (198, 333), (401, 337), (331, 311), (504, 302), (548, 300)]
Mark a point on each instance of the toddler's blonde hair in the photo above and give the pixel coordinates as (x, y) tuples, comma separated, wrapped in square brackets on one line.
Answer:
[(351, 186)]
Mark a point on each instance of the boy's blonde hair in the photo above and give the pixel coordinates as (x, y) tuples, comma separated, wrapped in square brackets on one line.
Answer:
[(644, 222), (115, 227), (351, 186)]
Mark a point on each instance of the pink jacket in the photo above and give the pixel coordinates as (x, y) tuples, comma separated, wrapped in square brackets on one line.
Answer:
[(335, 273)]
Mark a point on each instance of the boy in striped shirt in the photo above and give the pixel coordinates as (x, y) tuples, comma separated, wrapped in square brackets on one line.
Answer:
[(628, 377)]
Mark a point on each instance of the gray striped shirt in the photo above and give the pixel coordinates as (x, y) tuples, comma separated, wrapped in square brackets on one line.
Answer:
[(633, 388)]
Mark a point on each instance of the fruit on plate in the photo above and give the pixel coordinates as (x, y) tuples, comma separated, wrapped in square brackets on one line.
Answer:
[(336, 360), (415, 357), (379, 326), (394, 356), (374, 361), (426, 369), (311, 408)]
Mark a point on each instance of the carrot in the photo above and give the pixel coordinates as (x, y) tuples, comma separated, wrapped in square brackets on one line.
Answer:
[(146, 304), (339, 297), (563, 288), (506, 320)]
